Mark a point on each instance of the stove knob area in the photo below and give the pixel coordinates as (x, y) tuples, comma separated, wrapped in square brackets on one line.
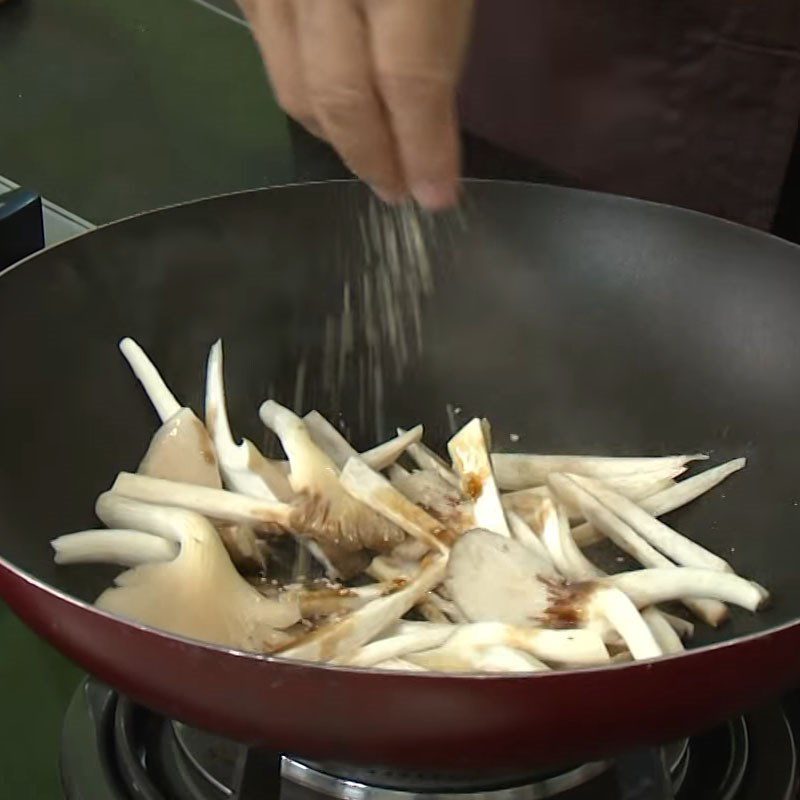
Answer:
[(21, 224)]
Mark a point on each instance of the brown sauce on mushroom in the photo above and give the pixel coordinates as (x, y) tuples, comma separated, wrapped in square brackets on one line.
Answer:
[(568, 602), (472, 485)]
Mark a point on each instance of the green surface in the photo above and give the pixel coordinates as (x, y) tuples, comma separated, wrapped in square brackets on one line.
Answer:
[(37, 684), (110, 107)]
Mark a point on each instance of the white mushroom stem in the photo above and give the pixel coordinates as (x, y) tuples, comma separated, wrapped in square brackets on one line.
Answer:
[(384, 455), (443, 592), (405, 627), (411, 550), (198, 593), (553, 526), (117, 511), (639, 485), (327, 437), (342, 638), (469, 450), (375, 491), (648, 587), (339, 600), (521, 471), (575, 648), (506, 659), (125, 547), (312, 548), (239, 511), (396, 473), (238, 462), (671, 498), (309, 465), (627, 539), (156, 389), (682, 627), (664, 634), (425, 458), (399, 665), (335, 446), (181, 449), (616, 607), (450, 610), (431, 612), (465, 658), (423, 638), (384, 568), (566, 488), (636, 486), (245, 468), (575, 566), (524, 534), (527, 503), (217, 504), (671, 543), (387, 570), (691, 488)]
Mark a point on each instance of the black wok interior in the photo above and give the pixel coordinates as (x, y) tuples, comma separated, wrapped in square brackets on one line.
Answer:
[(580, 322)]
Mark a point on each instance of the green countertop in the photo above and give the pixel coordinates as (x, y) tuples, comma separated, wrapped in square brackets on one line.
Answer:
[(112, 107), (37, 683)]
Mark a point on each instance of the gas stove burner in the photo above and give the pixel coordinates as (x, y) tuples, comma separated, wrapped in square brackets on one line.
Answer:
[(385, 784), (346, 782), (115, 750), (215, 758)]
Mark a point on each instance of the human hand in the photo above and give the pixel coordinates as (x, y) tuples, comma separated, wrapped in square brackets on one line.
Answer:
[(377, 80)]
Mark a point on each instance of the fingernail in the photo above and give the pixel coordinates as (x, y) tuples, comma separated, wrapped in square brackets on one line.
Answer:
[(435, 196), (390, 196)]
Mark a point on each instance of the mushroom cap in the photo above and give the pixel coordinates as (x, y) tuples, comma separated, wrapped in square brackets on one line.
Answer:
[(199, 593), (181, 450), (495, 579), (324, 509)]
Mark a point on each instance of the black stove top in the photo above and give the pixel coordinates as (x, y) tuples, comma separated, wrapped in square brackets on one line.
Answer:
[(113, 749)]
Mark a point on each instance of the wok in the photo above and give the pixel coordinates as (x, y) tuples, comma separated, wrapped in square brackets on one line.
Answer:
[(579, 321)]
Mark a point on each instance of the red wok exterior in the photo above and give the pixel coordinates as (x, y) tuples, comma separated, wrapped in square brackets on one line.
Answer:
[(441, 721)]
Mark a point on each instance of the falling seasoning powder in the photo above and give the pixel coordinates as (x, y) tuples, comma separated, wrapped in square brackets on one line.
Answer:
[(377, 333)]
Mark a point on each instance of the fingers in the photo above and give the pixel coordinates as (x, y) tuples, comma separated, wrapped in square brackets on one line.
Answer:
[(377, 79), (274, 26), (418, 47), (339, 80)]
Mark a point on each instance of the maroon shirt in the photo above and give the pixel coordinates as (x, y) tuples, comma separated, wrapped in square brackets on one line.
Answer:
[(689, 102)]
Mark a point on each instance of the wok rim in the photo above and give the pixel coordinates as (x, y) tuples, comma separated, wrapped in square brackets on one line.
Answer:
[(276, 187), (620, 199)]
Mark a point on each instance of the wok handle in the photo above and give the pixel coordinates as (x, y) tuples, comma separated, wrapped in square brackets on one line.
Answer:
[(21, 225)]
